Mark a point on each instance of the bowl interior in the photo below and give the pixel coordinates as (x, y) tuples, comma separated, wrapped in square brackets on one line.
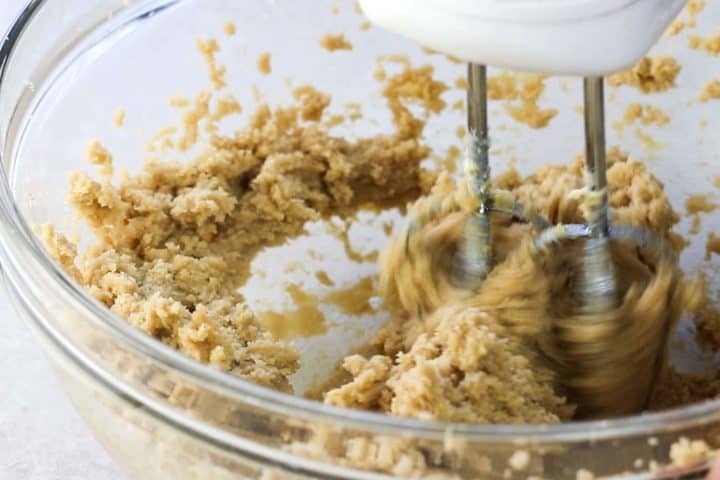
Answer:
[(137, 64)]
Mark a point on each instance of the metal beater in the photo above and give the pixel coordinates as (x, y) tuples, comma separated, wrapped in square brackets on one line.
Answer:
[(596, 288), (590, 39)]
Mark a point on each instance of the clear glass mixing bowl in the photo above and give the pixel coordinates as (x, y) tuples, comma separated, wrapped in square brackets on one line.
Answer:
[(66, 65)]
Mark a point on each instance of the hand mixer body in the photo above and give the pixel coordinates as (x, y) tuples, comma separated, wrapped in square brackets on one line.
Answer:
[(572, 37)]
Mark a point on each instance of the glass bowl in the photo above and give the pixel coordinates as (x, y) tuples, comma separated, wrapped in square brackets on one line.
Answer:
[(67, 65)]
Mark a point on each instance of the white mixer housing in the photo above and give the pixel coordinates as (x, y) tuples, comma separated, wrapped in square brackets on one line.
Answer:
[(573, 37)]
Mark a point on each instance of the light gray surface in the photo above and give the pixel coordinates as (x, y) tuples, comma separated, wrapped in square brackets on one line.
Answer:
[(41, 435)]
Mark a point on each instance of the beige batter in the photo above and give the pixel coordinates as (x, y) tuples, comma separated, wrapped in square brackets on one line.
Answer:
[(649, 75), (175, 241), (448, 354)]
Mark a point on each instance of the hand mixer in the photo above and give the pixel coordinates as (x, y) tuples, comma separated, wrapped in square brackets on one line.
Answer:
[(586, 38)]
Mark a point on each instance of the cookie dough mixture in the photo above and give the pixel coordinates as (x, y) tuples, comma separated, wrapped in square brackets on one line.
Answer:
[(175, 241), (456, 355)]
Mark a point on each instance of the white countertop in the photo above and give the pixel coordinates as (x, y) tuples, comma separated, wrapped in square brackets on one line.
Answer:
[(41, 435)]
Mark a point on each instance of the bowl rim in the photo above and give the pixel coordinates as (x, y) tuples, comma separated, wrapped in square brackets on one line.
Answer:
[(17, 236)]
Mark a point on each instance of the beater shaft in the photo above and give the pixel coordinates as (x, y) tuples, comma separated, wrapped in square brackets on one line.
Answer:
[(596, 290), (596, 159), (474, 258)]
